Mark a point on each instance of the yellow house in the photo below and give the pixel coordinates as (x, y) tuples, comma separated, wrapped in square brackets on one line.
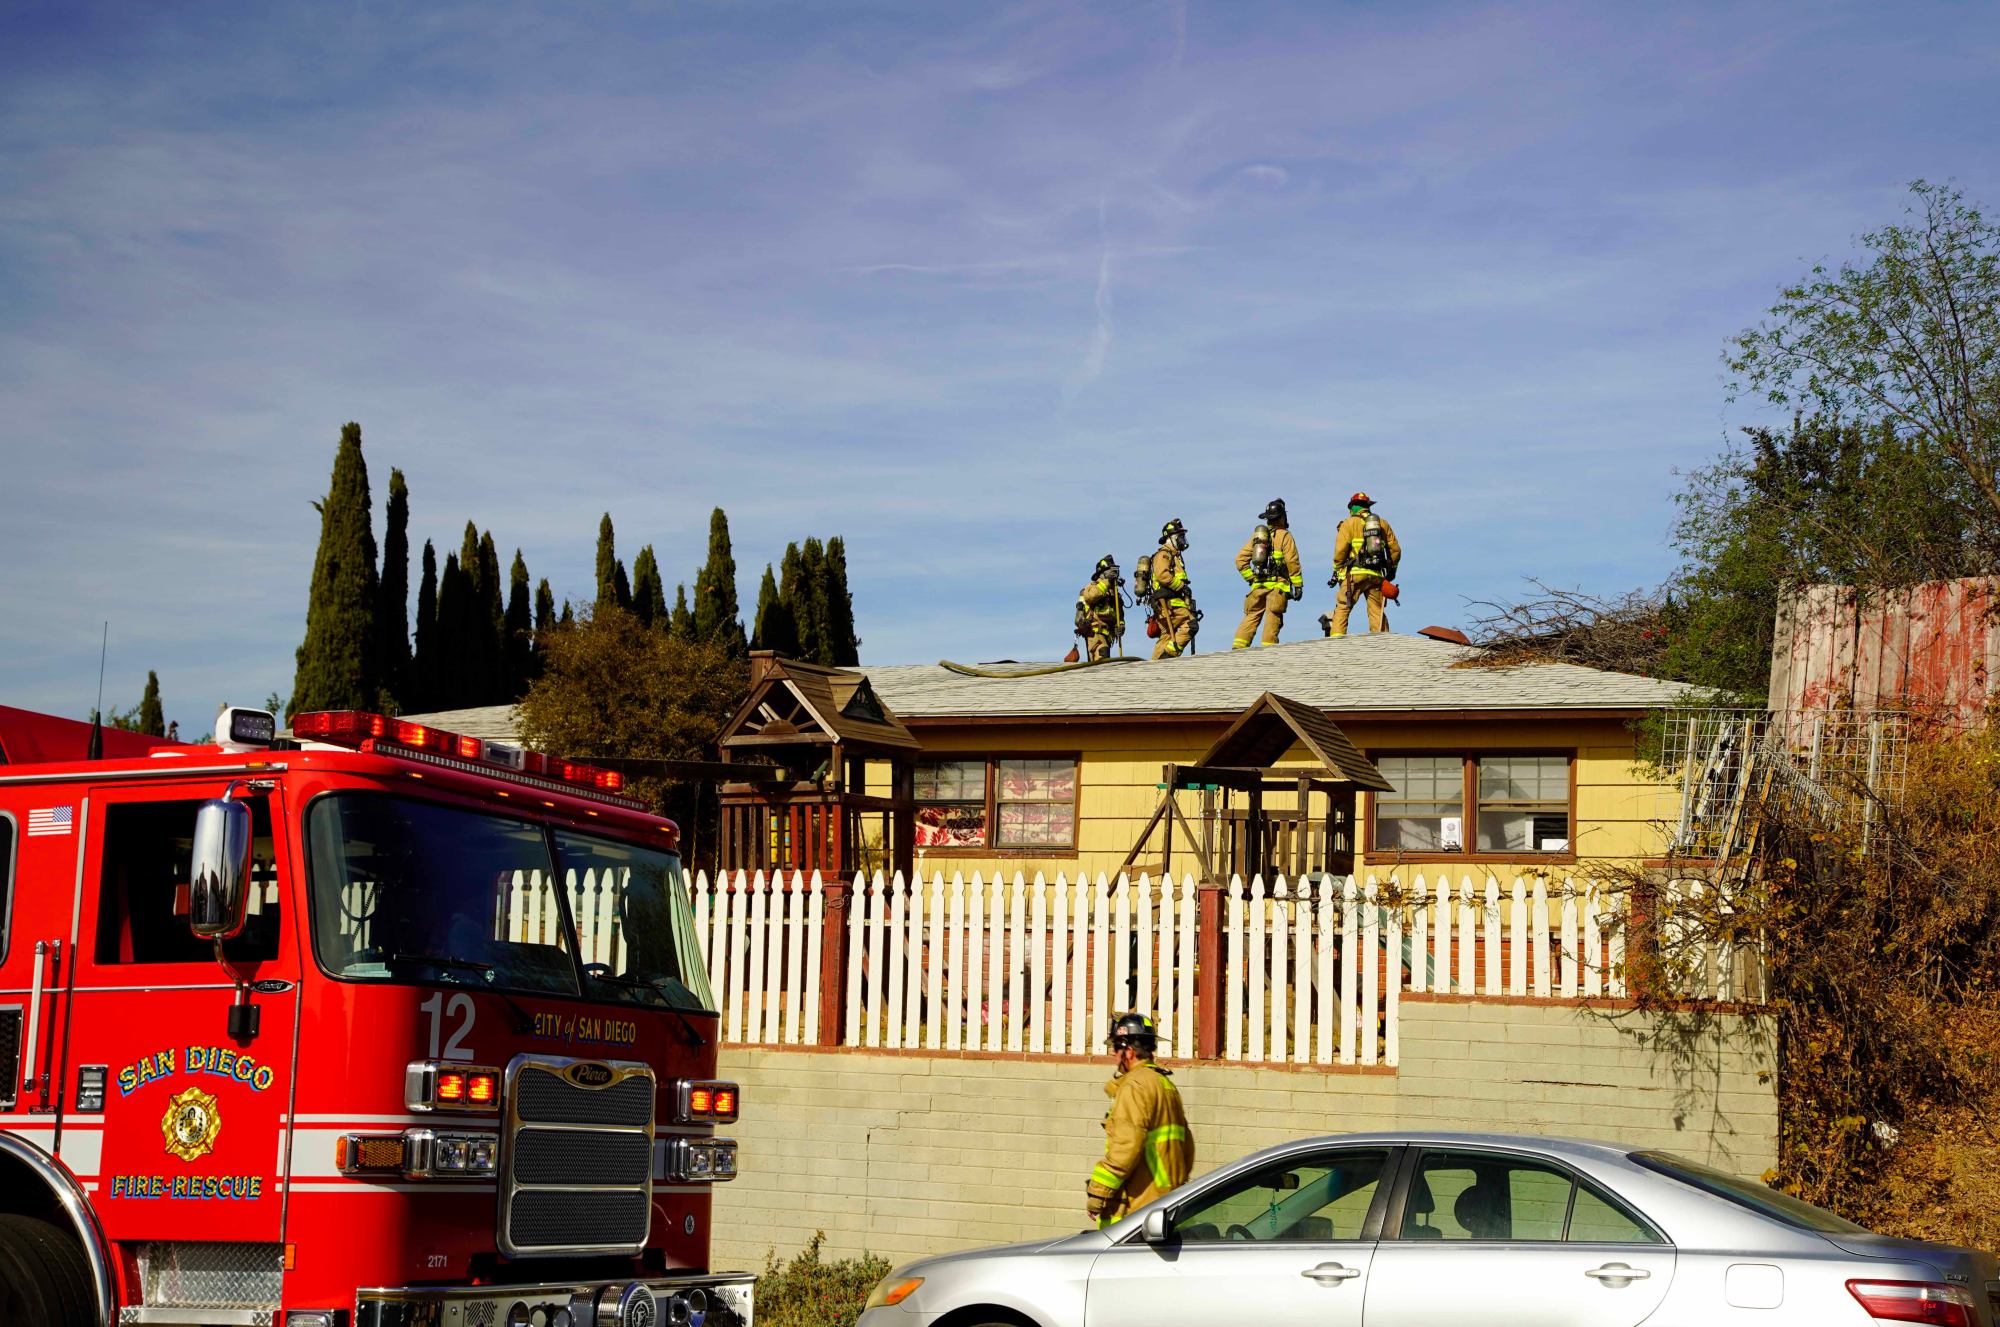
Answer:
[(1523, 768)]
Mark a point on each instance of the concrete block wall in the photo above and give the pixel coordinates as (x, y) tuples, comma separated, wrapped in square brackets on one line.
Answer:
[(906, 1154)]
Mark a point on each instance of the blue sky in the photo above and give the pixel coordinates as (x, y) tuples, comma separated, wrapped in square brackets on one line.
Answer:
[(990, 290)]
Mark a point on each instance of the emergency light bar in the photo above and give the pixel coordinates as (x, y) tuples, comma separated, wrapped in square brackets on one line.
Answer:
[(361, 730)]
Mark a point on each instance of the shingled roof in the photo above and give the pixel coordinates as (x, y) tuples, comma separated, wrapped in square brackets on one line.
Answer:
[(1272, 725), (1384, 672)]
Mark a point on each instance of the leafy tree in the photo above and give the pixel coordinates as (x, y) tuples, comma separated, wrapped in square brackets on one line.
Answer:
[(681, 625), (1908, 339), (519, 630), (337, 665), (149, 718), (392, 612), (609, 688), (775, 628), (806, 594), (424, 665), (716, 613), (649, 592), (612, 587), (843, 646)]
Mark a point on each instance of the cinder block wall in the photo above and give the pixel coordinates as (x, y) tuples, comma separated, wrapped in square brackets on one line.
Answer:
[(906, 1154)]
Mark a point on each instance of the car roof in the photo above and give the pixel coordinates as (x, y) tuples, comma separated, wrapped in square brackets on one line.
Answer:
[(1580, 1148)]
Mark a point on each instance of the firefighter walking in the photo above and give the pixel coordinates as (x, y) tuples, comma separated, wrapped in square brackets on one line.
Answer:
[(1365, 554), (1148, 1147), (1269, 563), (1172, 595), (1100, 610)]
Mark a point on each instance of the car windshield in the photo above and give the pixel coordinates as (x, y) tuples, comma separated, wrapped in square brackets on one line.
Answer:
[(1757, 1197), (407, 890)]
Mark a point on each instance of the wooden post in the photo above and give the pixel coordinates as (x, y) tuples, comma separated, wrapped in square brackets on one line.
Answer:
[(833, 960), (903, 791), (1208, 971)]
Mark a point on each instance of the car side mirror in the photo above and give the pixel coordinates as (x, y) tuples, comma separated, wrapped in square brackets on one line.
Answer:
[(1156, 1230), (219, 879)]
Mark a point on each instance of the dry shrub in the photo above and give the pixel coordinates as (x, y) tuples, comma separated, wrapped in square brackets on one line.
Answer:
[(809, 1292), (1884, 984)]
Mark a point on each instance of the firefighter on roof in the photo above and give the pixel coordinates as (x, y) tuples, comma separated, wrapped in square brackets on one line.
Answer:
[(1172, 596), (1100, 609), (1269, 562), (1148, 1148), (1365, 554)]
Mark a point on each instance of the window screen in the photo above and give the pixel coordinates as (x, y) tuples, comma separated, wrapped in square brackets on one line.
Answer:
[(1037, 800), (1523, 803), (951, 804), (1426, 813)]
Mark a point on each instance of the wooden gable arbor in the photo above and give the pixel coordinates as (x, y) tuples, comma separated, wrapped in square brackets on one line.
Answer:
[(820, 727), (1312, 836)]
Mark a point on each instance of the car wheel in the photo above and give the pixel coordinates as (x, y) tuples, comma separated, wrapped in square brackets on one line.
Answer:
[(43, 1276)]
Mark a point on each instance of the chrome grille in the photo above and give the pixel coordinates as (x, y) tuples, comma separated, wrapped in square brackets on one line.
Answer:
[(576, 1157)]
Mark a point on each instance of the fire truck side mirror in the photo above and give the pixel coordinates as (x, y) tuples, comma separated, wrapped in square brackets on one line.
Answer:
[(220, 879)]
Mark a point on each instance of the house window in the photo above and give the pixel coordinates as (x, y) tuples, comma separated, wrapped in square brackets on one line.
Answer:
[(1518, 803), (1010, 802), (1523, 803), (1426, 813), (951, 804)]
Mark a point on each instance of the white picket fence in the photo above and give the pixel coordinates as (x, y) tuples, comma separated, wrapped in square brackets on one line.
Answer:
[(1313, 971)]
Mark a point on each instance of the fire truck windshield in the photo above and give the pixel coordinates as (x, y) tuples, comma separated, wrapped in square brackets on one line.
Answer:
[(412, 891)]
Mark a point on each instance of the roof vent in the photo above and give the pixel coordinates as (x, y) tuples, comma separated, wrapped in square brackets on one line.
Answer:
[(1450, 635)]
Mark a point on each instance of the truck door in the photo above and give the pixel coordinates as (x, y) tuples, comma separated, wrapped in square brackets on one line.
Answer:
[(192, 1113)]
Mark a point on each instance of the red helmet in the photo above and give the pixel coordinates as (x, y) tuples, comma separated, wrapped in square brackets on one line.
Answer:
[(1361, 500)]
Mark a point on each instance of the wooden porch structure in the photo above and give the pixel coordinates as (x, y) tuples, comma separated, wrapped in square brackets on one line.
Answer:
[(1300, 841), (820, 727)]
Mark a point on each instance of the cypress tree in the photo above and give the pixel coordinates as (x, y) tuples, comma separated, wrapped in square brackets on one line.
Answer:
[(775, 628), (568, 614), (392, 612), (454, 600), (493, 683), (844, 644), (424, 664), (649, 592), (791, 593), (336, 661), (519, 633), (612, 587), (717, 616), (809, 605), (150, 718), (545, 621), (681, 626)]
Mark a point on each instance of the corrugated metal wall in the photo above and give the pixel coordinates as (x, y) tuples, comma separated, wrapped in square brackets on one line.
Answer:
[(1933, 649)]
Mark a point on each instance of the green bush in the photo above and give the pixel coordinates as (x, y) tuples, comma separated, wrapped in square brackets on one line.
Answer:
[(808, 1292)]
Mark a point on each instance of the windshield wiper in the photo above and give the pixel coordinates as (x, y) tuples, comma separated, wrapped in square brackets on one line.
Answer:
[(657, 985), (523, 1023)]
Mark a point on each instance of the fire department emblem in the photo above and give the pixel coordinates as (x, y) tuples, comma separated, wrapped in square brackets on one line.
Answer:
[(191, 1123)]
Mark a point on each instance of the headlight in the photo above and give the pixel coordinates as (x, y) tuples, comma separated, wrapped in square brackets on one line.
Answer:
[(892, 1290), (700, 1160)]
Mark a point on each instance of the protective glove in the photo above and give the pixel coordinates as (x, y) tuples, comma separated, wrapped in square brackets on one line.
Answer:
[(1096, 1200), (1298, 592)]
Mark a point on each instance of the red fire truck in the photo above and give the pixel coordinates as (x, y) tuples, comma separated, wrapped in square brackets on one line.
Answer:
[(370, 1026)]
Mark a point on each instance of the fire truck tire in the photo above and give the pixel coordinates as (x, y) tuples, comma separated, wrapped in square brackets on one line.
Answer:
[(43, 1275)]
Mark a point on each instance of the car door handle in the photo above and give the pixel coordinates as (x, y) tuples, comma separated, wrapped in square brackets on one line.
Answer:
[(1329, 1272), (1618, 1271)]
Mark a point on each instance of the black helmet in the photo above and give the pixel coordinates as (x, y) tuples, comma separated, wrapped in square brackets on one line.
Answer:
[(1135, 1030), (1106, 563), (1175, 532), (1274, 511)]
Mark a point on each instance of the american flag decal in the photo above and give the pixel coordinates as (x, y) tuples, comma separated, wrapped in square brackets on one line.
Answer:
[(47, 820)]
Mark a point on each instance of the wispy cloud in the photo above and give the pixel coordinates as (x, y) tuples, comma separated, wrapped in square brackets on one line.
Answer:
[(902, 274)]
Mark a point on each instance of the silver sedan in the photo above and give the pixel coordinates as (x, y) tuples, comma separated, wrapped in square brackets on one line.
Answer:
[(1406, 1230)]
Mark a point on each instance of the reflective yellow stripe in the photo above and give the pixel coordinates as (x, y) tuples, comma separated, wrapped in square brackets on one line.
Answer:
[(1166, 1133), (1103, 1174)]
